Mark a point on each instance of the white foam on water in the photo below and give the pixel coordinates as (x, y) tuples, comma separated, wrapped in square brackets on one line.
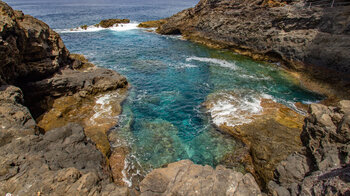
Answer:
[(93, 28), (125, 169), (253, 77), (219, 62), (234, 110), (186, 65), (103, 107)]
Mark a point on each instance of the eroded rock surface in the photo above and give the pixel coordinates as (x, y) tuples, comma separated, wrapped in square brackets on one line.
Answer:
[(15, 119), (186, 178), (61, 162), (30, 50), (323, 168)]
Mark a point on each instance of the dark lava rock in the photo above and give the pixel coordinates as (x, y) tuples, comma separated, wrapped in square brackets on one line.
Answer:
[(68, 82), (15, 119), (29, 49), (324, 166), (61, 162)]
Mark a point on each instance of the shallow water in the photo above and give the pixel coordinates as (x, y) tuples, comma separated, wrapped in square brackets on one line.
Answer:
[(163, 119)]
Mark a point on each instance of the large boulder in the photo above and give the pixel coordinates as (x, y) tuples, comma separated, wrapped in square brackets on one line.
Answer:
[(186, 178)]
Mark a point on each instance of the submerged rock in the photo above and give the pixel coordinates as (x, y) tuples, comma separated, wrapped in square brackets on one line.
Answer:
[(186, 178), (323, 168), (270, 130)]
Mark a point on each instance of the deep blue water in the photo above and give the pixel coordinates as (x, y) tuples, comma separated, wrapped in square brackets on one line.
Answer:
[(163, 118)]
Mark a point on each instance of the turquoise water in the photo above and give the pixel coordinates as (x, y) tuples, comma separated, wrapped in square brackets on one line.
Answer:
[(163, 117)]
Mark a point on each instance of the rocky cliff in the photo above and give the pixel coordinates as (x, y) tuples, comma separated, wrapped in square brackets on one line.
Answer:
[(310, 37)]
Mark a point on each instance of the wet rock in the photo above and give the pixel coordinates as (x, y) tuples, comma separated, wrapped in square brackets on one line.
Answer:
[(186, 178), (308, 36), (323, 167), (271, 135), (63, 161), (117, 164), (111, 22)]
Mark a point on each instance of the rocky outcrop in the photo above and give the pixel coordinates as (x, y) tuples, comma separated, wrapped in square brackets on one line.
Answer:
[(61, 162), (323, 168), (15, 119), (307, 36), (152, 24), (29, 49), (43, 87), (271, 134), (108, 23), (186, 178)]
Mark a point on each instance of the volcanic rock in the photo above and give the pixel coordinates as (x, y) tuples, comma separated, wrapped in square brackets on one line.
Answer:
[(323, 167), (61, 162), (186, 178)]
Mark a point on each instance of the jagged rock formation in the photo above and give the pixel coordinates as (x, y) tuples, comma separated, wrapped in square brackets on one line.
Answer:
[(307, 36), (62, 162), (186, 178), (323, 168), (30, 50)]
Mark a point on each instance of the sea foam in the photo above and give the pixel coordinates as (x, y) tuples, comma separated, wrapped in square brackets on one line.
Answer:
[(93, 28), (232, 110), (219, 62)]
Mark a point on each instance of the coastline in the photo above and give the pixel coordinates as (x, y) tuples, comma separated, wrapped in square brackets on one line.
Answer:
[(56, 123)]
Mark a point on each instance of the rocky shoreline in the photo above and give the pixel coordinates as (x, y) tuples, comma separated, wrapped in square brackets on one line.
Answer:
[(56, 109), (310, 41)]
